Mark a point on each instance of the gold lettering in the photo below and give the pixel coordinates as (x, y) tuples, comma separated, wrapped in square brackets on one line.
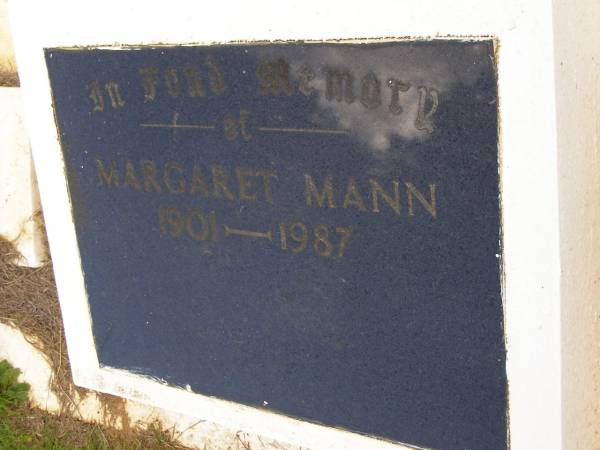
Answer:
[(396, 86), (109, 179), (266, 176), (195, 82), (198, 184), (353, 197), (430, 206), (95, 94), (149, 81), (215, 76), (274, 77), (220, 183), (203, 234), (299, 234), (370, 93), (339, 85), (131, 179), (423, 121), (344, 233), (178, 188), (244, 125), (322, 245), (230, 127), (116, 101), (172, 82), (311, 190), (149, 174), (306, 75), (244, 183), (393, 202)]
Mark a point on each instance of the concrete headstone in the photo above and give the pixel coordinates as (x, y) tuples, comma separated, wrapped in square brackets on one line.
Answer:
[(309, 228), (259, 216)]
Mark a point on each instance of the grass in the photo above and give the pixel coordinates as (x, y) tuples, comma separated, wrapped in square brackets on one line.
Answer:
[(12, 395)]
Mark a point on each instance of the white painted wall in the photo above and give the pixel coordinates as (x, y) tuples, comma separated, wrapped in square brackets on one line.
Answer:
[(577, 63)]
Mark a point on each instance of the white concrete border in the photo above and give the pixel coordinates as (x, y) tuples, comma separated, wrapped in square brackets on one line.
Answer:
[(191, 430), (524, 30), (34, 367), (19, 197)]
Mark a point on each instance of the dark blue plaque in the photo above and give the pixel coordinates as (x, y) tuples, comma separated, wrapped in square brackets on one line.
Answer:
[(312, 228)]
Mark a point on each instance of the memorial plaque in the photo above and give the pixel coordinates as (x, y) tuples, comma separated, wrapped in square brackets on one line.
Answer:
[(311, 228)]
